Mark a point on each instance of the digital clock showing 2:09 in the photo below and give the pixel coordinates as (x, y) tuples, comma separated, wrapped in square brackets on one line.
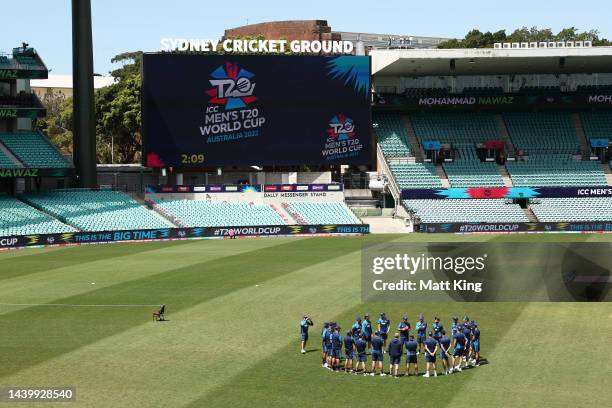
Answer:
[(195, 158)]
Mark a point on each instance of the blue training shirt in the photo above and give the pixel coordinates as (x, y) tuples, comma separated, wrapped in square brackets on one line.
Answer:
[(361, 345), (336, 340), (366, 327), (421, 326), (304, 325), (377, 343), (384, 325), (411, 348), (349, 343)]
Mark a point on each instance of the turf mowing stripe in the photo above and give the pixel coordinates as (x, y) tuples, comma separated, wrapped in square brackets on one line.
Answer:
[(204, 345), (43, 259), (178, 289), (70, 305), (51, 285)]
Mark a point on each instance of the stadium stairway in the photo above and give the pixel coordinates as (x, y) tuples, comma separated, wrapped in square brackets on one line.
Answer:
[(412, 138), (156, 211), (7, 156), (581, 136), (608, 173), (282, 212), (503, 129), (530, 214), (443, 176), (505, 175)]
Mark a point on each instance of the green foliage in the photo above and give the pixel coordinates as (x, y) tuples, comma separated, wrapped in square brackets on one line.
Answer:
[(57, 125), (118, 118), (478, 39)]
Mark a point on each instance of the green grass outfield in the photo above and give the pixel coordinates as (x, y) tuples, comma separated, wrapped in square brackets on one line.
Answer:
[(232, 337)]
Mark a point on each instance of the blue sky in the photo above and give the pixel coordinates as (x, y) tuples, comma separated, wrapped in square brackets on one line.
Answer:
[(128, 25)]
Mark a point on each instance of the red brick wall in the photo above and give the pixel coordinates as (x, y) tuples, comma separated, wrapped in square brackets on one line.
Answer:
[(288, 30)]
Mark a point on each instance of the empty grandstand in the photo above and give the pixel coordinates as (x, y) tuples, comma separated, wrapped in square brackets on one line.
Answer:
[(96, 210), (392, 135), (555, 170), (18, 218), (543, 132), (200, 213), (573, 209), (321, 213), (33, 149), (416, 175), (465, 210)]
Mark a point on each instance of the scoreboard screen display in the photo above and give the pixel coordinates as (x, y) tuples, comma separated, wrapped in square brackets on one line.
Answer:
[(215, 110)]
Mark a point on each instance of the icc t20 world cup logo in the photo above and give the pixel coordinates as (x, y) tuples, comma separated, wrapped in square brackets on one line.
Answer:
[(232, 86), (341, 127)]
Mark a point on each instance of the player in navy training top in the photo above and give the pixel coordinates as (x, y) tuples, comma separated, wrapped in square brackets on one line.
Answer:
[(476, 344), (421, 328), (383, 328), (395, 350), (445, 352), (437, 328), (360, 346), (411, 355), (304, 325), (349, 351), (366, 329), (404, 329), (336, 340), (323, 344), (459, 342), (377, 353), (431, 347)]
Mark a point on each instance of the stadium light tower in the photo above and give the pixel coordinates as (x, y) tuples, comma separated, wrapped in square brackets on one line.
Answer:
[(84, 130)]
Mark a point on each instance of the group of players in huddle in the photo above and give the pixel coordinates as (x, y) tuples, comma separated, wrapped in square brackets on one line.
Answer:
[(461, 349)]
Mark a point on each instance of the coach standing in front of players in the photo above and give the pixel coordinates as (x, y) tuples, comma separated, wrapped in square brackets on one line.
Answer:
[(437, 328), (383, 328), (366, 329), (304, 325), (421, 328)]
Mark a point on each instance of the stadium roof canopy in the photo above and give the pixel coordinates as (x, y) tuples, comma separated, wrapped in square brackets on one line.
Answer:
[(425, 62)]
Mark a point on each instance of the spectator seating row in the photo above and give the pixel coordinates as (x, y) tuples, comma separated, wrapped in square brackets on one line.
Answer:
[(542, 132), (417, 175), (573, 209), (322, 213), (555, 170), (392, 135), (18, 218), (34, 150), (465, 210)]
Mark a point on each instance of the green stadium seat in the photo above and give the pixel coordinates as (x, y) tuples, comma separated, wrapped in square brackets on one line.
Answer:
[(542, 132), (34, 150), (392, 135), (97, 210), (416, 175), (18, 218), (555, 170), (311, 213), (573, 209), (465, 210), (200, 213)]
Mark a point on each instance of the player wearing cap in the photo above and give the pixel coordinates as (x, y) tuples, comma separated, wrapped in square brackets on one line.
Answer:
[(445, 352), (366, 329), (383, 328), (336, 340), (304, 325), (476, 343), (459, 342), (377, 353), (411, 356), (404, 329), (356, 327), (324, 344), (395, 350), (421, 328), (431, 347), (349, 347), (437, 328), (360, 346)]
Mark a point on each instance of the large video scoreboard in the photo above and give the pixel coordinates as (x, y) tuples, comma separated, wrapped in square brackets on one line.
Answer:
[(216, 110)]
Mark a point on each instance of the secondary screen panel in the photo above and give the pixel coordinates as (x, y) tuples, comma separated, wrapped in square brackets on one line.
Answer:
[(201, 110)]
